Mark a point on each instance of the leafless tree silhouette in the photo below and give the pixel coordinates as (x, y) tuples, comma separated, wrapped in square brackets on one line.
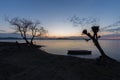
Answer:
[(95, 29), (24, 27), (94, 38), (37, 32)]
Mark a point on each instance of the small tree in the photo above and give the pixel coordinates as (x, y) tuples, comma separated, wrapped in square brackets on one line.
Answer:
[(94, 38), (95, 29), (24, 27)]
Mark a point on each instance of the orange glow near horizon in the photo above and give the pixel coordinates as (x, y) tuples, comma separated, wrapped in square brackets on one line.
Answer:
[(62, 35), (73, 34)]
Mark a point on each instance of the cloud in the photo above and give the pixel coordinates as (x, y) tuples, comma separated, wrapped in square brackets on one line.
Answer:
[(2, 31), (84, 22), (114, 29)]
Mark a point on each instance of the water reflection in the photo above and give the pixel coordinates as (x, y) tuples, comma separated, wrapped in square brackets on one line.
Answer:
[(111, 47), (60, 47)]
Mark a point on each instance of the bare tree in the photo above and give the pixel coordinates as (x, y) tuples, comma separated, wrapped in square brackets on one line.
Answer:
[(24, 27), (37, 32), (95, 29), (94, 37), (21, 26)]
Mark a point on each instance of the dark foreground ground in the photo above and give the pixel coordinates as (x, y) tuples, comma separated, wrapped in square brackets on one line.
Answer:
[(24, 62)]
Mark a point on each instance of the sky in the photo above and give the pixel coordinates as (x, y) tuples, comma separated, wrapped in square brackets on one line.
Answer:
[(55, 14)]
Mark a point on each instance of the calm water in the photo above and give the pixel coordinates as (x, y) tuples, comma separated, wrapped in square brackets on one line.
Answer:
[(60, 47)]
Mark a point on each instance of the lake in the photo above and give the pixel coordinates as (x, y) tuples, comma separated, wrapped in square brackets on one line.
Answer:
[(60, 47)]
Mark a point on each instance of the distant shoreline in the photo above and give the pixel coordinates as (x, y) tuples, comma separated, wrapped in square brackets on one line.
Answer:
[(48, 39)]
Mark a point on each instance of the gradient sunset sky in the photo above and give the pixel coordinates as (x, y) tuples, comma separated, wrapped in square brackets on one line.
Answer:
[(55, 14)]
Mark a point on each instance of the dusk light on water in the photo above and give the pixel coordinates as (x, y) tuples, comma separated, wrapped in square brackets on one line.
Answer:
[(59, 39)]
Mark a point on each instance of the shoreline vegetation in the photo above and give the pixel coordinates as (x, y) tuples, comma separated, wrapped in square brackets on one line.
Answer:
[(19, 61)]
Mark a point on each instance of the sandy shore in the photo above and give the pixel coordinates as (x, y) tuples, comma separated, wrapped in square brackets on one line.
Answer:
[(23, 62)]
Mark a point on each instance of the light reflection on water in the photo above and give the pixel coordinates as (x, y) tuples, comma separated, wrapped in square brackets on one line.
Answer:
[(111, 47), (60, 47)]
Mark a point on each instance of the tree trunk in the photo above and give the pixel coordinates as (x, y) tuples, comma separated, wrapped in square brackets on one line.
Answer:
[(103, 57), (26, 40), (99, 48), (32, 40)]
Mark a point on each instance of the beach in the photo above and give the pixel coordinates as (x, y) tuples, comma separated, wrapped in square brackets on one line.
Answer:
[(19, 61)]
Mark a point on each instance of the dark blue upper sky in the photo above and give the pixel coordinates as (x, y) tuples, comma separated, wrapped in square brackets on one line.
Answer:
[(54, 13)]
